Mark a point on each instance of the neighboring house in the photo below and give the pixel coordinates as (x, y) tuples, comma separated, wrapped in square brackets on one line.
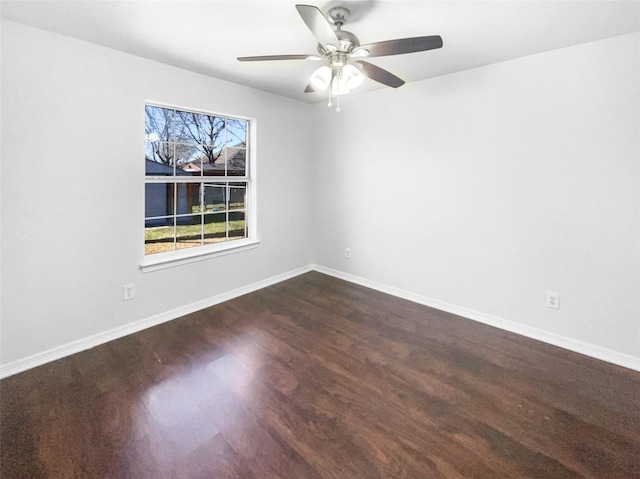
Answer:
[(159, 197), (234, 156)]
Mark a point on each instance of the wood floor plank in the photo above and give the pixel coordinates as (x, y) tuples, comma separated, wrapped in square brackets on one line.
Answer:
[(315, 377)]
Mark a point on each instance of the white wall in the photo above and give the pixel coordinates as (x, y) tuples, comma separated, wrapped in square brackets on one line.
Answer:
[(486, 188), (72, 196), (480, 190)]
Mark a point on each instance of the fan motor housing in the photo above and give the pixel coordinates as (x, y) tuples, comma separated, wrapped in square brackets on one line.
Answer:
[(348, 41)]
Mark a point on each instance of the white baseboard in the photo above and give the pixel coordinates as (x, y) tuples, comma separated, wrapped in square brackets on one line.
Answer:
[(68, 349), (591, 350), (594, 351)]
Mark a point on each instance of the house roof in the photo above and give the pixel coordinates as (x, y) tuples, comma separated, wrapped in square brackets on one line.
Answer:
[(233, 156)]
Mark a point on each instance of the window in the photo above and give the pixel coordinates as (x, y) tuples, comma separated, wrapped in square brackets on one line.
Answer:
[(197, 181)]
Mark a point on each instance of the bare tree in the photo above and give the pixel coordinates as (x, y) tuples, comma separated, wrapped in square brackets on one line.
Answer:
[(178, 137), (206, 131), (158, 128), (167, 135)]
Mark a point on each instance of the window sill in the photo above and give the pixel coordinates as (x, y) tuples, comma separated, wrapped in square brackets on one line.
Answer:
[(178, 258)]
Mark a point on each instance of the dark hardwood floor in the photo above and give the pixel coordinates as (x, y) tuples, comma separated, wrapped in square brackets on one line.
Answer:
[(318, 378)]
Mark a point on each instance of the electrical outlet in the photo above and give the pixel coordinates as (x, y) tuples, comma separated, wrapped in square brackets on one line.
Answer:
[(128, 292), (347, 253), (553, 300)]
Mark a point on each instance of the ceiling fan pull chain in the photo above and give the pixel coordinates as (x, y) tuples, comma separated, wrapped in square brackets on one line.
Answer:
[(338, 109)]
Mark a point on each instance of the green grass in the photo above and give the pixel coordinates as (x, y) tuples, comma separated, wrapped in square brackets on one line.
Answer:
[(218, 207), (165, 233)]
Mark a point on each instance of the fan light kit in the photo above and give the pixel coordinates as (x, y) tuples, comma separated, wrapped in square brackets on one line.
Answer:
[(342, 51)]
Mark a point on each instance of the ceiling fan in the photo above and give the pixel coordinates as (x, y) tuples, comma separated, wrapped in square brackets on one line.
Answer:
[(345, 69)]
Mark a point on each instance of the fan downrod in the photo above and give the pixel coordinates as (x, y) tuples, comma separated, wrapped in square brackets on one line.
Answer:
[(338, 16)]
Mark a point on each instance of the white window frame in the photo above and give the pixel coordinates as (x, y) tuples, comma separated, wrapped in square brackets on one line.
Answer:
[(174, 258)]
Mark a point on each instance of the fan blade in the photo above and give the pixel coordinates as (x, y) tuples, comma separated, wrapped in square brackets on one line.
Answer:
[(402, 45), (274, 57), (380, 75), (318, 24)]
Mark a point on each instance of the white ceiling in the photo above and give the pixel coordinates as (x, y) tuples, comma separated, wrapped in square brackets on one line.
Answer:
[(206, 37)]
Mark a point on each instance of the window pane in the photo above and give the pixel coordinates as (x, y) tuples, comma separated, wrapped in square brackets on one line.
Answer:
[(188, 231), (237, 225), (215, 197), (213, 161), (158, 156), (158, 235), (188, 198), (188, 127), (237, 196), (188, 159), (159, 124), (236, 160), (212, 131), (215, 228), (158, 199), (237, 133)]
